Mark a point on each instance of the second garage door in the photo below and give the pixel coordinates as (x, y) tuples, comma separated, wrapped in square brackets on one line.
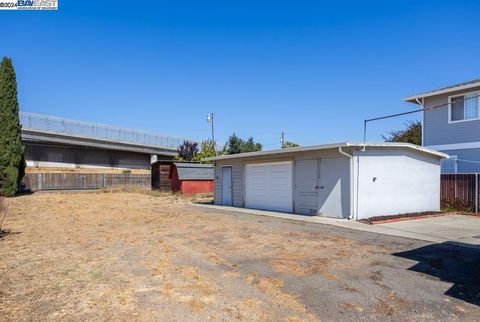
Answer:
[(269, 186)]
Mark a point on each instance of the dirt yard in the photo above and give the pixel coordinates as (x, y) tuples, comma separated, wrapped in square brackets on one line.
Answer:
[(130, 256)]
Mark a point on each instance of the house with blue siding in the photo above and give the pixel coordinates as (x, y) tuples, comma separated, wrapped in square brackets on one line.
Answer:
[(451, 124)]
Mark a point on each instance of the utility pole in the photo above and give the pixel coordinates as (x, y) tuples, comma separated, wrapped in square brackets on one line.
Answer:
[(282, 139), (210, 120)]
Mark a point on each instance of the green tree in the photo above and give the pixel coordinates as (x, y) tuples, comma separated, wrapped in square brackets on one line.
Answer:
[(236, 145), (187, 151), (12, 164), (411, 134), (289, 144), (251, 146), (207, 150)]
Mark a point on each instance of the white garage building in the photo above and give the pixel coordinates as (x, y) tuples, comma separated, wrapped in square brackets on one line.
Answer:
[(341, 180)]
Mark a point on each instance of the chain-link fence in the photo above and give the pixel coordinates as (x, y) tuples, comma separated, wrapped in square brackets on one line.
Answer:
[(60, 125)]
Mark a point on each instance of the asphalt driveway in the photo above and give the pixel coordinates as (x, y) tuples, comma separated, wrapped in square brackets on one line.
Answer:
[(126, 256)]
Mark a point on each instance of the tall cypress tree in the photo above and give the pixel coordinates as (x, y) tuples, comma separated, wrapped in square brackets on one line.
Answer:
[(12, 164)]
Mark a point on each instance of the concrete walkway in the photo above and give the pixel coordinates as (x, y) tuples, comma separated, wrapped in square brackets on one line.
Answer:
[(458, 228), (452, 228)]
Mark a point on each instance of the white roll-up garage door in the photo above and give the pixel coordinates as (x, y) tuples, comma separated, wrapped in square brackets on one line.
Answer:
[(268, 186)]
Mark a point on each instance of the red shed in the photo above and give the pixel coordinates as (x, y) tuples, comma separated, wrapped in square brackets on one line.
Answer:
[(191, 178)]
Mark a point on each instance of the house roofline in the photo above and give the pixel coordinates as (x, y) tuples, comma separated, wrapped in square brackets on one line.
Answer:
[(414, 98)]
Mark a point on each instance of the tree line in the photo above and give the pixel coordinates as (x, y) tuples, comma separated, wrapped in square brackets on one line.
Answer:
[(191, 151)]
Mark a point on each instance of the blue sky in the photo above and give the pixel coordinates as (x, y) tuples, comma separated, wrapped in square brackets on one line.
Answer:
[(314, 69)]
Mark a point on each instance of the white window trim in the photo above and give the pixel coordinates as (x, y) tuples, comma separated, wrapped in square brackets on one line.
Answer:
[(450, 108)]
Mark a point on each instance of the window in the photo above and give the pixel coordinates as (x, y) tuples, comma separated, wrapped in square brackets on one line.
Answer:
[(464, 107)]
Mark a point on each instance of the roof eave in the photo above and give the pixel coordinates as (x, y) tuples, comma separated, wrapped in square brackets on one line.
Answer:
[(414, 98), (277, 151), (328, 146)]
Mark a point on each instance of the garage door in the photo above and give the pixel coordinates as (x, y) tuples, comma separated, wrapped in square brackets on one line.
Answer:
[(268, 186)]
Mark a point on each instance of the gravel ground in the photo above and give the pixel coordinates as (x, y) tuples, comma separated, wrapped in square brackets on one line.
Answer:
[(130, 256)]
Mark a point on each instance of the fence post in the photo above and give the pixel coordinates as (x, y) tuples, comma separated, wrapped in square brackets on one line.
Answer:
[(40, 181), (476, 192)]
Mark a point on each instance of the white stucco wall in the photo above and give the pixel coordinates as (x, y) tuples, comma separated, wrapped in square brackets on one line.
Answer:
[(395, 181)]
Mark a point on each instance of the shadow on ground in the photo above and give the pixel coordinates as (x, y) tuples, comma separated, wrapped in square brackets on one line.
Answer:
[(207, 202), (6, 232), (456, 263)]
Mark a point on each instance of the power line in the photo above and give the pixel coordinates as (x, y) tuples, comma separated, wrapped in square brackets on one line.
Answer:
[(462, 160), (365, 122)]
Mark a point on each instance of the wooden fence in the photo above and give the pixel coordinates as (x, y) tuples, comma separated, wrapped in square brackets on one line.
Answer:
[(460, 191), (84, 181)]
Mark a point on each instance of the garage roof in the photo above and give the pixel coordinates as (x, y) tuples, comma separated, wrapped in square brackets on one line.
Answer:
[(331, 146), (194, 171)]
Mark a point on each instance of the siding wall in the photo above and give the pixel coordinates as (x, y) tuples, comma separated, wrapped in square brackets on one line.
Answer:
[(217, 188), (238, 181), (437, 129), (238, 171), (191, 187), (238, 184)]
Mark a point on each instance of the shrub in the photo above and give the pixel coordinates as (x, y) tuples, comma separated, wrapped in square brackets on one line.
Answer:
[(457, 205)]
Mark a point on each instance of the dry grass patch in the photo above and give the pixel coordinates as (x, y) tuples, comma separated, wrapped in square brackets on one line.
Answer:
[(148, 256)]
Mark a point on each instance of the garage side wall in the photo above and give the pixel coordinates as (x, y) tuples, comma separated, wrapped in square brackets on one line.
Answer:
[(395, 181), (238, 180), (217, 184), (238, 172)]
